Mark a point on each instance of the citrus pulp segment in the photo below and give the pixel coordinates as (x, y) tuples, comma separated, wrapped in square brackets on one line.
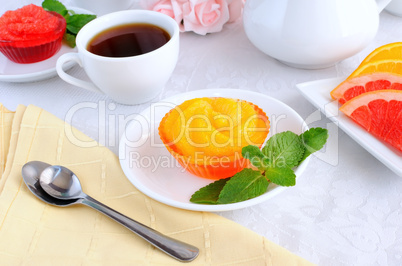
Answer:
[(380, 113), (355, 86)]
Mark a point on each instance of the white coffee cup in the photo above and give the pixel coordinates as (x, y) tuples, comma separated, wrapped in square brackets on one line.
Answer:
[(102, 7), (127, 80), (395, 8)]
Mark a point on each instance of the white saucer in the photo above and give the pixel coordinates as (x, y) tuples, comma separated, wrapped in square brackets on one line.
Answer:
[(13, 72), (152, 170)]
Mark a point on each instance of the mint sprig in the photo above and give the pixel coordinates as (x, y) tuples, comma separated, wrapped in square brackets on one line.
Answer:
[(56, 6), (284, 149), (275, 163), (243, 186), (74, 21), (313, 140), (210, 193)]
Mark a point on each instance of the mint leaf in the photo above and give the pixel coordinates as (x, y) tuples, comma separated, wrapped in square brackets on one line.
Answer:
[(77, 21), (284, 149), (56, 6), (210, 193), (244, 185), (283, 176), (256, 157), (69, 39), (74, 21), (313, 140)]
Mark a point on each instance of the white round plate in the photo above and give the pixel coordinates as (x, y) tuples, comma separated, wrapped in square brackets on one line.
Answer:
[(152, 170), (14, 72)]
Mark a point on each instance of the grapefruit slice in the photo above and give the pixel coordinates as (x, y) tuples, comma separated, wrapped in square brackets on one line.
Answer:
[(353, 87), (380, 113)]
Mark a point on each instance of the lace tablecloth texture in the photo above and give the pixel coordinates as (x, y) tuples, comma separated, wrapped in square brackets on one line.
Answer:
[(346, 207)]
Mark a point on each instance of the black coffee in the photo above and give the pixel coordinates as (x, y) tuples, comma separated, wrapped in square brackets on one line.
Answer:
[(128, 40)]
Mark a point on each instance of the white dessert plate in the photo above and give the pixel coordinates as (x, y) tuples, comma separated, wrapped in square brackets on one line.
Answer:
[(13, 72), (318, 93), (152, 170)]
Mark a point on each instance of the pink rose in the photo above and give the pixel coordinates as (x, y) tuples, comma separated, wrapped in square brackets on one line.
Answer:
[(204, 16), (200, 16), (172, 8), (235, 9), (164, 7)]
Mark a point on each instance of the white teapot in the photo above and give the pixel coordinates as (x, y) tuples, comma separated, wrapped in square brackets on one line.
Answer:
[(395, 8), (311, 34)]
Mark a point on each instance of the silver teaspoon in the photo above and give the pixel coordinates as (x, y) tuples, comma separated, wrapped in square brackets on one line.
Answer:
[(30, 174), (61, 183)]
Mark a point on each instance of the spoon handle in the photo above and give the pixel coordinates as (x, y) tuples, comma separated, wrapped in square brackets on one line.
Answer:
[(175, 248)]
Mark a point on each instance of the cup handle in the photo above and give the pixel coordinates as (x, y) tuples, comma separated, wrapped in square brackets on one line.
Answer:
[(70, 79)]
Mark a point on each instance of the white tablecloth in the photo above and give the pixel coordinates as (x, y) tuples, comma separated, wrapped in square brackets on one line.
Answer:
[(346, 207)]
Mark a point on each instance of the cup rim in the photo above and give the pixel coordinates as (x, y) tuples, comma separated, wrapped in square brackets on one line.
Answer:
[(132, 13)]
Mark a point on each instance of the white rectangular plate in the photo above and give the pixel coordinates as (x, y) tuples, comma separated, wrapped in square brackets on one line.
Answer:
[(318, 93)]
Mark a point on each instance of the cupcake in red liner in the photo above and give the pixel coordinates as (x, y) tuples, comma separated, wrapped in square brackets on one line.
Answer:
[(206, 135), (31, 34)]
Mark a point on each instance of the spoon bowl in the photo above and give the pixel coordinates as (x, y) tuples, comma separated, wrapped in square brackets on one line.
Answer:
[(31, 172), (61, 183)]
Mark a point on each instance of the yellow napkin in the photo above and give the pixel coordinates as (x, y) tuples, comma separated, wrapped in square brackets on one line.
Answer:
[(35, 233), (6, 118)]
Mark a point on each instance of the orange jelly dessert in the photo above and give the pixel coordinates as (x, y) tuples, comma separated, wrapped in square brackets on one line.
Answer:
[(31, 34), (206, 135)]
